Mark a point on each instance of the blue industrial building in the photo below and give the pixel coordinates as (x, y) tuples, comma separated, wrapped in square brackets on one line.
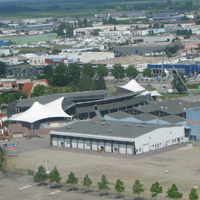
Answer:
[(193, 121), (4, 42), (185, 69)]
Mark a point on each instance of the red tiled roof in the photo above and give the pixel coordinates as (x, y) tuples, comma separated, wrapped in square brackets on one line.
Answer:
[(45, 80), (13, 83), (27, 87), (190, 22)]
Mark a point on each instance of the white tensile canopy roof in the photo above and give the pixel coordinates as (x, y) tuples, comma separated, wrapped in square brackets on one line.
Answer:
[(153, 93), (38, 112), (133, 86)]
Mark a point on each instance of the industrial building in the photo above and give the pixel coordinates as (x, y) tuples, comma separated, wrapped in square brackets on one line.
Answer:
[(143, 48), (117, 137), (152, 38), (184, 67), (120, 14), (140, 62), (80, 105)]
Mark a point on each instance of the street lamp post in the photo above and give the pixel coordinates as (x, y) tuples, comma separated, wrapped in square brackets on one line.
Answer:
[(46, 161), (17, 179)]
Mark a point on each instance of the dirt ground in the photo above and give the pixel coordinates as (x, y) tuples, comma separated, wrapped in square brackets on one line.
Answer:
[(182, 162)]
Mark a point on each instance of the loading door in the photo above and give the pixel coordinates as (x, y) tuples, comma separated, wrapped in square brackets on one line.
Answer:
[(94, 145), (67, 143), (74, 143), (146, 148), (122, 148), (129, 149), (80, 144), (54, 142), (60, 142), (108, 147)]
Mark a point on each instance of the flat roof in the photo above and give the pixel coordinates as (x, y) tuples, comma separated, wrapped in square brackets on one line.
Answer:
[(111, 130), (145, 117), (173, 119), (171, 106), (128, 60), (119, 115)]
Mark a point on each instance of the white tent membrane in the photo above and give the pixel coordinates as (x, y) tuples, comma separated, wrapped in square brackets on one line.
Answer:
[(133, 86), (153, 93), (38, 112)]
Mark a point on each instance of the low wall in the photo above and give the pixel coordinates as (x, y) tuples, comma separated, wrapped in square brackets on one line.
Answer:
[(25, 129)]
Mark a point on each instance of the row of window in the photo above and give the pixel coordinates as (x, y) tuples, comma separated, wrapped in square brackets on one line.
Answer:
[(159, 144)]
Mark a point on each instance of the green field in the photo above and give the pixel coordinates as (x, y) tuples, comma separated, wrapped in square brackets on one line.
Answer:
[(176, 95), (37, 49), (112, 90), (72, 8)]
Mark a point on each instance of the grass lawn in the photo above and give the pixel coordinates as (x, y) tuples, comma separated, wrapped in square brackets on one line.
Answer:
[(176, 95), (112, 90), (37, 49)]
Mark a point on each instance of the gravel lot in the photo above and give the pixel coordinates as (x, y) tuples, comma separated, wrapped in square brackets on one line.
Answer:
[(181, 161)]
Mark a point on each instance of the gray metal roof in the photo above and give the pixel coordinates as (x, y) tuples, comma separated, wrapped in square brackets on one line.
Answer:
[(173, 119), (119, 115), (112, 130), (52, 97), (145, 117), (172, 106)]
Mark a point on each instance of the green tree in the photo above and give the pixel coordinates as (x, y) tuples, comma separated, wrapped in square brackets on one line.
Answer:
[(102, 70), (169, 2), (86, 83), (41, 174), (103, 185), (119, 186), (56, 51), (164, 74), (20, 95), (40, 90), (74, 73), (137, 188), (147, 72), (96, 31), (2, 68), (155, 189), (118, 71), (88, 70), (173, 193), (48, 70), (54, 176), (87, 182), (156, 25), (72, 179), (61, 69), (100, 84), (197, 22), (193, 194), (177, 84), (60, 80), (131, 71)]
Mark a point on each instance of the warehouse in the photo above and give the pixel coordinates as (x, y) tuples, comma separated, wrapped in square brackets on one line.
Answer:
[(117, 137), (184, 68), (143, 48)]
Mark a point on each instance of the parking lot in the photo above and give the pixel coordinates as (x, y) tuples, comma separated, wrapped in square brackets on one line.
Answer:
[(181, 161)]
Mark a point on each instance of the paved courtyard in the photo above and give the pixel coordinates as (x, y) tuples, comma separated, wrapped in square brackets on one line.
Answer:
[(182, 162)]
